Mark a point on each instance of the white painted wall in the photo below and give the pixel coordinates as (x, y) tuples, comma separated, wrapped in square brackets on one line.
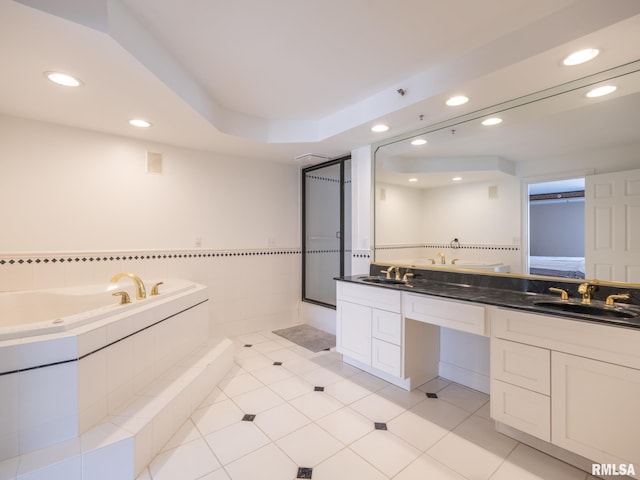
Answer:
[(66, 190)]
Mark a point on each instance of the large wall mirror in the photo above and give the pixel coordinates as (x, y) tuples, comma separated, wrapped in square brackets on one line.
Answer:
[(510, 197)]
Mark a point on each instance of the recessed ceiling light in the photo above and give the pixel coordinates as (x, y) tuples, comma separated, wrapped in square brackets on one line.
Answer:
[(418, 142), (456, 179), (457, 100), (582, 56), (138, 122), (600, 91), (413, 179), (492, 121), (380, 128), (63, 79)]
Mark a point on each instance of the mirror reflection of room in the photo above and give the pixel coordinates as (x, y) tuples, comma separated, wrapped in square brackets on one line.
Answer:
[(556, 228)]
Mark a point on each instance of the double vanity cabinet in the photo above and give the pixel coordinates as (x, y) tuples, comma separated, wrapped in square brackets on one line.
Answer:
[(565, 386)]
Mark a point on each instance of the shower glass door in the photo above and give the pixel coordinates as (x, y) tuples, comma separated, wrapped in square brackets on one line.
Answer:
[(324, 236)]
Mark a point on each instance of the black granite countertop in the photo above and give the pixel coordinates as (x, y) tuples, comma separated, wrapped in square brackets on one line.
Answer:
[(518, 293)]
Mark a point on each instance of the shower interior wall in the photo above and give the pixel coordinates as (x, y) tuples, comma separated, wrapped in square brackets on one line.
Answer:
[(79, 206)]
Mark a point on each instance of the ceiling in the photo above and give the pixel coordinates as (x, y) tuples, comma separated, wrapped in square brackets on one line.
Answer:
[(279, 79)]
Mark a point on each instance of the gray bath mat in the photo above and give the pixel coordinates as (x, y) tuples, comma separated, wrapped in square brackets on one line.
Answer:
[(308, 337)]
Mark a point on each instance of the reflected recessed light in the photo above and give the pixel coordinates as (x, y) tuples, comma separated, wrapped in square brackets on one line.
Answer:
[(413, 179), (458, 100), (418, 141), (456, 179), (491, 121), (138, 122), (600, 91), (63, 79), (582, 56), (381, 127)]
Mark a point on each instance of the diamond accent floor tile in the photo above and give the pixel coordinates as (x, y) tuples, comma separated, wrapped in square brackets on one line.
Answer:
[(291, 429)]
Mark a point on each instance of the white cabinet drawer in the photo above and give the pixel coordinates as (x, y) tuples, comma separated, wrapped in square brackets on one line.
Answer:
[(522, 365), (375, 297), (387, 326), (386, 357), (466, 317), (522, 409)]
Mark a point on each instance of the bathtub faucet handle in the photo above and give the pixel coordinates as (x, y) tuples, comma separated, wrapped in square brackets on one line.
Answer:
[(154, 289), (124, 297)]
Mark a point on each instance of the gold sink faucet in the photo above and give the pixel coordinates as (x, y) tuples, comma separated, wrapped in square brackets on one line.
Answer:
[(141, 293), (442, 260), (390, 270), (586, 290)]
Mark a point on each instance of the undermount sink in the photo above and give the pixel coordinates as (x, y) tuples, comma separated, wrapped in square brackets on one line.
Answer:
[(385, 280), (607, 312)]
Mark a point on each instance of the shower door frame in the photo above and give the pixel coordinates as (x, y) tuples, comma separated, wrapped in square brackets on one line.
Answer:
[(337, 161)]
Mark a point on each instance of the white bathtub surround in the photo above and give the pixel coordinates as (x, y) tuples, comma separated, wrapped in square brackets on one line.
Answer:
[(108, 394)]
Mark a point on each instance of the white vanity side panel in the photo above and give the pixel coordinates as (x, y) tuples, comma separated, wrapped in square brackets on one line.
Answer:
[(595, 409), (466, 317), (376, 297), (522, 365), (600, 341)]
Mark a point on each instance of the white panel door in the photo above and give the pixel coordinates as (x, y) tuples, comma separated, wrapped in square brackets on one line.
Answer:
[(353, 331), (612, 224), (594, 406)]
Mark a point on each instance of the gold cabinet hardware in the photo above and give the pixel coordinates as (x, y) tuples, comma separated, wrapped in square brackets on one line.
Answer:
[(124, 297), (155, 290), (610, 301), (564, 294)]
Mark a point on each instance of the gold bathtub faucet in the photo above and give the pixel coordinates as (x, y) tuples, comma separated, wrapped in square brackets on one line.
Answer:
[(141, 293)]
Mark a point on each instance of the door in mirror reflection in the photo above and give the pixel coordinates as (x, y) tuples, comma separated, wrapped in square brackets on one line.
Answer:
[(326, 229), (557, 228)]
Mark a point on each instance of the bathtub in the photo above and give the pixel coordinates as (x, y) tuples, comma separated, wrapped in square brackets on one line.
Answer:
[(39, 312), (71, 357)]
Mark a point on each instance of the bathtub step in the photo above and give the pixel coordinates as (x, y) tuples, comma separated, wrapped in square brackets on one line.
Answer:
[(125, 442)]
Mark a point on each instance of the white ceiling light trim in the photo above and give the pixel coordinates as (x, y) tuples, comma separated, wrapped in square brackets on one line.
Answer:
[(63, 79), (457, 101), (601, 91), (380, 128), (139, 122), (491, 121), (581, 56)]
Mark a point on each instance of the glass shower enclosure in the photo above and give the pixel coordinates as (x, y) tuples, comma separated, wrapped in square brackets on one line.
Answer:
[(326, 225)]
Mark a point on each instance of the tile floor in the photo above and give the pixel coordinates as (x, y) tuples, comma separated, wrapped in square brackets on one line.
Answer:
[(316, 417)]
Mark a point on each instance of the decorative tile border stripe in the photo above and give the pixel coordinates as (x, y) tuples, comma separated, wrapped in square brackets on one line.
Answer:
[(511, 248), (327, 179), (110, 257)]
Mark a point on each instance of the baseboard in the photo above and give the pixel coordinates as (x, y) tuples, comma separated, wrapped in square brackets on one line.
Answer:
[(465, 377)]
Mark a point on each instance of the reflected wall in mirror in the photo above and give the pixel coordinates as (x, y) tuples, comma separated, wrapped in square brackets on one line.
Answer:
[(463, 194)]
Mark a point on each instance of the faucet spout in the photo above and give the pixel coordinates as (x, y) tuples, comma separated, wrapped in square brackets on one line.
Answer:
[(442, 259), (141, 293)]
